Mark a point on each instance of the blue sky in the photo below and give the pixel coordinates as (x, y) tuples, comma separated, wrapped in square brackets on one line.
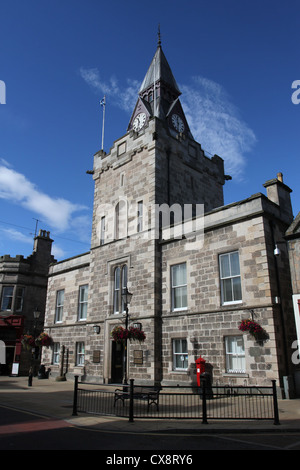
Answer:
[(235, 62)]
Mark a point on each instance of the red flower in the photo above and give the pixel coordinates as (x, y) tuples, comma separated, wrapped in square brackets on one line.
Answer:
[(43, 340), (120, 334), (254, 329)]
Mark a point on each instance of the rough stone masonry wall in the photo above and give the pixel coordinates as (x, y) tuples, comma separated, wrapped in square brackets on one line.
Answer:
[(294, 249), (206, 322), (184, 174), (68, 276), (139, 258)]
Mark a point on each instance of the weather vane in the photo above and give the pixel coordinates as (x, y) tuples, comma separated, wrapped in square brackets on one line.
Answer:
[(159, 35)]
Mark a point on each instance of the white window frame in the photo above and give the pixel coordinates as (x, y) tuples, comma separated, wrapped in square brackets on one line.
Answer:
[(59, 306), (181, 351), (80, 352), (9, 305), (56, 354), (120, 283), (234, 353), (178, 287), (83, 302), (231, 277)]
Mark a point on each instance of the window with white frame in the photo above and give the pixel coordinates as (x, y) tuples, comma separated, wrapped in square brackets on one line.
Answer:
[(7, 298), (60, 295), (120, 284), (180, 354), (80, 354), (235, 354), (56, 353), (12, 298), (179, 286), (230, 277), (83, 302)]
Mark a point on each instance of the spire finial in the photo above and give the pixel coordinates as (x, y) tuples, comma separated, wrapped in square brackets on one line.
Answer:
[(159, 36)]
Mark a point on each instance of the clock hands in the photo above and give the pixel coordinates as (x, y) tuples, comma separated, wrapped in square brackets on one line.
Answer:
[(178, 123), (139, 121)]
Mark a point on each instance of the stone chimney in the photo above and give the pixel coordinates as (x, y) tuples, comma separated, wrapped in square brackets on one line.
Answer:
[(42, 242), (279, 193), (42, 251)]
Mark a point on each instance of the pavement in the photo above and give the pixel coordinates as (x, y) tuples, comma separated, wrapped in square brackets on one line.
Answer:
[(53, 399)]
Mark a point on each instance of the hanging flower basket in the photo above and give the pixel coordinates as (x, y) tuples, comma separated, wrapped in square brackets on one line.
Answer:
[(28, 341), (43, 340), (135, 334), (120, 334), (254, 329)]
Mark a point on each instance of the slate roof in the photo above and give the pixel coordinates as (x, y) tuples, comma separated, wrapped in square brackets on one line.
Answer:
[(162, 71)]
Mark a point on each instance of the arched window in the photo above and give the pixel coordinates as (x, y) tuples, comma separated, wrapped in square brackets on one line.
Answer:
[(120, 284), (124, 283), (117, 289)]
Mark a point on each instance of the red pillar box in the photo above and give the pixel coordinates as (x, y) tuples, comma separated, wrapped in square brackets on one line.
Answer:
[(200, 368)]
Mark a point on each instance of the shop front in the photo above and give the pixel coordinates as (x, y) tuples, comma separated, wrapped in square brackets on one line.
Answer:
[(11, 331)]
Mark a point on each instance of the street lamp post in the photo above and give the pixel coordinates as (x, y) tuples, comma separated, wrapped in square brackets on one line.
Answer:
[(126, 298), (36, 316)]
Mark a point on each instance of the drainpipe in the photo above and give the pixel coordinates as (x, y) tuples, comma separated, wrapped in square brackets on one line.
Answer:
[(277, 277)]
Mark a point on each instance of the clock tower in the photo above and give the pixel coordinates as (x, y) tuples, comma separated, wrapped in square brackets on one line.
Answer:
[(186, 175), (156, 166), (159, 97)]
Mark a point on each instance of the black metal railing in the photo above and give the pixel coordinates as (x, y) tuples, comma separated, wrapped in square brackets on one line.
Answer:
[(204, 403)]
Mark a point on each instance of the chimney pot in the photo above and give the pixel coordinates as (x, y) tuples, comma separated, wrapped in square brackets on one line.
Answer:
[(280, 177)]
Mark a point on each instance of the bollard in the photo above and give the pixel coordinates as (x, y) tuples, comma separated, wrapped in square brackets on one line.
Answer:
[(275, 403), (75, 395), (30, 378), (204, 408), (131, 420)]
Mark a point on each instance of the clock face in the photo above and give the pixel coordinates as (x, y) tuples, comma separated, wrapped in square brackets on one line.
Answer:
[(177, 123), (139, 121)]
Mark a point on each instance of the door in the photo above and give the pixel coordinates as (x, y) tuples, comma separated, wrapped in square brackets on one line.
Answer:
[(6, 365), (117, 362)]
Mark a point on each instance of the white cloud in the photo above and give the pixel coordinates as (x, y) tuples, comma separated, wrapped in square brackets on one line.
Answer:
[(13, 234), (16, 188), (216, 125), (214, 120), (81, 225), (123, 97), (58, 252)]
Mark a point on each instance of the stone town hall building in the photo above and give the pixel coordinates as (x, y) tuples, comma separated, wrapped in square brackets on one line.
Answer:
[(192, 285)]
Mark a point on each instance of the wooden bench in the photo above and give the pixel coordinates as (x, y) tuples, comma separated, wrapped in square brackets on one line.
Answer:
[(149, 394)]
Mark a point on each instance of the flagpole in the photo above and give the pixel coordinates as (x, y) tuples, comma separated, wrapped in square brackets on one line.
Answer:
[(102, 102)]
